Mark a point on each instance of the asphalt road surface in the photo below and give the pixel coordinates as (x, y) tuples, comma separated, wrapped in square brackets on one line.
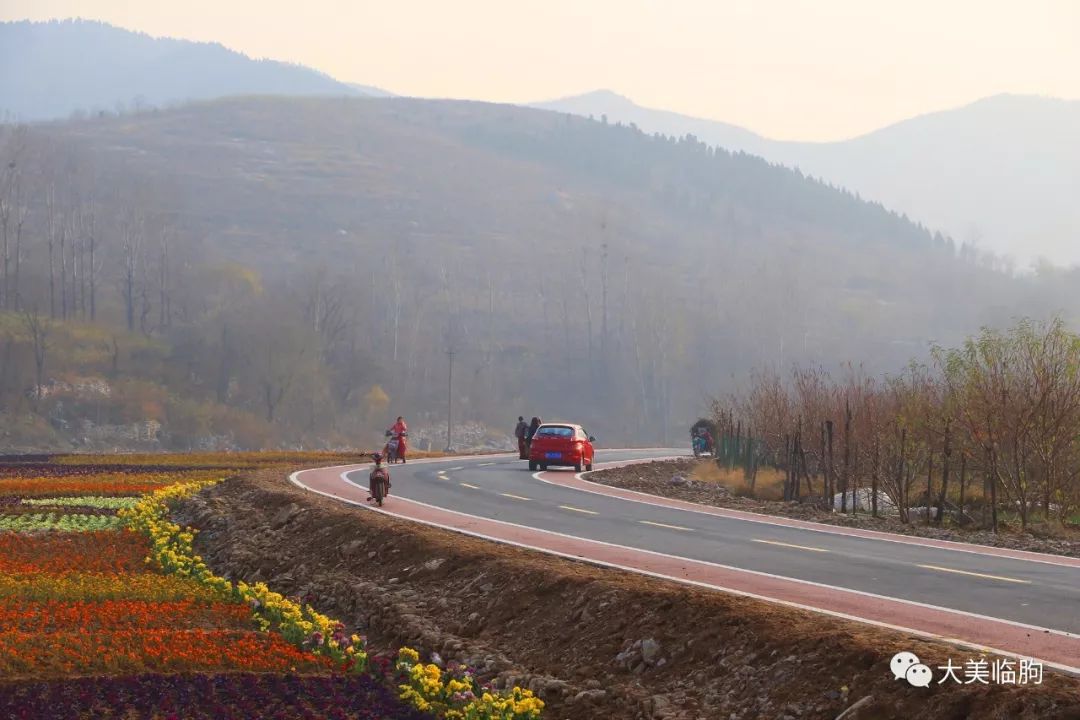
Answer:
[(502, 488), (995, 601)]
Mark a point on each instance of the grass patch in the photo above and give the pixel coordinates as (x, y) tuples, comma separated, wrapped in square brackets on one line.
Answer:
[(769, 484)]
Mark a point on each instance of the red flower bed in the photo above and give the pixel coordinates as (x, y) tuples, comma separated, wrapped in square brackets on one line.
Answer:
[(51, 616), (126, 652), (105, 551)]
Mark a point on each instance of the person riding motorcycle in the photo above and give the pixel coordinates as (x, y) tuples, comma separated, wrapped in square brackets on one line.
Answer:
[(397, 434), (378, 474)]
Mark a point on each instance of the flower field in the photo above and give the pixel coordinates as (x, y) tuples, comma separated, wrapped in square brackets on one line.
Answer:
[(107, 611)]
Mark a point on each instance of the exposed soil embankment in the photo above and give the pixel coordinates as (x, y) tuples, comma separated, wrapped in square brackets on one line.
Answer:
[(594, 642), (677, 479)]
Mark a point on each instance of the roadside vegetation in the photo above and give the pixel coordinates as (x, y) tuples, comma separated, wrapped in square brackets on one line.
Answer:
[(984, 435)]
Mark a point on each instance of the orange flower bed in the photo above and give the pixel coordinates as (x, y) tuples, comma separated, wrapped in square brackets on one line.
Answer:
[(103, 551), (126, 652), (97, 484), (108, 615)]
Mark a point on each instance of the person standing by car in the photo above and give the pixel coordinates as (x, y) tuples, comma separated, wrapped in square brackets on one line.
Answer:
[(519, 432), (529, 434)]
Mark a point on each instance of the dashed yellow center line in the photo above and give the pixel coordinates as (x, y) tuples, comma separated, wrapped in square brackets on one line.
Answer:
[(665, 525), (578, 510), (515, 497), (975, 574), (473, 487), (784, 544)]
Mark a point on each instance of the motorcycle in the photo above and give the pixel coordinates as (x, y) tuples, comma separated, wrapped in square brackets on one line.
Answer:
[(380, 490), (395, 448)]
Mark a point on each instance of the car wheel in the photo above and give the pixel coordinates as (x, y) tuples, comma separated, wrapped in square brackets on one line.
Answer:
[(543, 467), (588, 467), (532, 466), (577, 468)]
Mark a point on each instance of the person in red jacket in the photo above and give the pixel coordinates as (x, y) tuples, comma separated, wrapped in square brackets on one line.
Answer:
[(399, 431)]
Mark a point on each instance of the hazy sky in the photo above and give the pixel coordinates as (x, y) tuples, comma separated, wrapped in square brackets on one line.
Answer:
[(791, 69)]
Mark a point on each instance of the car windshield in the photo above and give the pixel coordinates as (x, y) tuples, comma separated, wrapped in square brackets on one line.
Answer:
[(555, 431)]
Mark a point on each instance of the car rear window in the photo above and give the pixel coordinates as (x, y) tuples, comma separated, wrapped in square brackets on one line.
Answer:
[(555, 431)]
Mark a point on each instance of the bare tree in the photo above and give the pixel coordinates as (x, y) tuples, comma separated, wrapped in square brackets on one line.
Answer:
[(132, 228), (37, 328)]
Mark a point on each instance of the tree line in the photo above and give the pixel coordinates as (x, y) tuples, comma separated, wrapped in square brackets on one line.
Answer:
[(985, 431), (278, 270), (104, 275)]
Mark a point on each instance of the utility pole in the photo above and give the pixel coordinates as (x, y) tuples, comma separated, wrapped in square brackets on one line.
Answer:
[(449, 399)]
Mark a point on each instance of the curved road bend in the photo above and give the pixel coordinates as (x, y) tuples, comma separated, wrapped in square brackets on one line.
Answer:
[(1009, 602)]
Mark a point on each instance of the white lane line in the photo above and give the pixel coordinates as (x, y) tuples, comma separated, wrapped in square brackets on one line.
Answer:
[(515, 497), (484, 464), (455, 469), (832, 613), (578, 510), (975, 574), (665, 525), (473, 487), (784, 544)]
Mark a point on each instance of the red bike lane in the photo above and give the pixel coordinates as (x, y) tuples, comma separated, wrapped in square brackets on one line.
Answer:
[(986, 634)]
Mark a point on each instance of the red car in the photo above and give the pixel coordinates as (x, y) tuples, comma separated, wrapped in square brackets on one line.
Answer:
[(561, 444)]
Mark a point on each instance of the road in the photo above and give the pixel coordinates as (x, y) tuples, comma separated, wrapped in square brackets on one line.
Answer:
[(1018, 603)]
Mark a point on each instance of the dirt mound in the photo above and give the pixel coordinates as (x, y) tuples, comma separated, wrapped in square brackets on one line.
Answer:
[(678, 479), (594, 642)]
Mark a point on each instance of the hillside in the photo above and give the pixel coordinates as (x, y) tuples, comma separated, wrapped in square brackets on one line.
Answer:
[(50, 70), (1001, 172), (618, 108), (317, 248)]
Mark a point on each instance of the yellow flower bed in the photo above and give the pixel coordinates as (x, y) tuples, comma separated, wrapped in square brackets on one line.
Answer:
[(43, 587), (454, 695)]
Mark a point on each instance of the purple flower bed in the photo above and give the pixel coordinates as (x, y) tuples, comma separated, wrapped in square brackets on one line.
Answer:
[(9, 500), (213, 697)]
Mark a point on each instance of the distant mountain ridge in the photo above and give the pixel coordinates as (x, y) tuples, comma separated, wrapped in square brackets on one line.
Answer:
[(618, 108), (1002, 172), (51, 69)]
